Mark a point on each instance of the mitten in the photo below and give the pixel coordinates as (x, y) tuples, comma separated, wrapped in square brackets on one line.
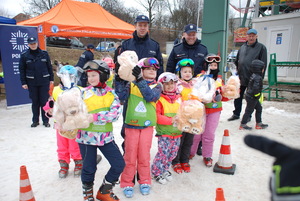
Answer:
[(285, 179), (137, 73), (48, 108)]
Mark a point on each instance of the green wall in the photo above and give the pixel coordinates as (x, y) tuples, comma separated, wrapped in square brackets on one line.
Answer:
[(215, 28)]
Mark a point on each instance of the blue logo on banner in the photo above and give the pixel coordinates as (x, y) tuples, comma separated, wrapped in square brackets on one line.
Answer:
[(40, 28), (13, 42), (54, 29)]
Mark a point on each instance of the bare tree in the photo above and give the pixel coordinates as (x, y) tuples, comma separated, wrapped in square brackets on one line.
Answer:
[(4, 12), (149, 5), (117, 8), (37, 7)]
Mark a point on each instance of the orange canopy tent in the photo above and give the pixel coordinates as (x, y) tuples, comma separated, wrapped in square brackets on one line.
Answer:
[(80, 19)]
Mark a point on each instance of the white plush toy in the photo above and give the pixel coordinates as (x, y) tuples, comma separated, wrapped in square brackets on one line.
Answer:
[(70, 111), (204, 88), (127, 60)]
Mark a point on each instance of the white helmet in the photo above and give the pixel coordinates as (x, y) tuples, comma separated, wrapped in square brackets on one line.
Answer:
[(167, 77)]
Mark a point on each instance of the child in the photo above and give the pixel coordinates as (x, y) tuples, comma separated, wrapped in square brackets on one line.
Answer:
[(104, 106), (66, 148), (181, 162), (213, 112), (110, 62), (168, 135), (253, 93), (140, 118)]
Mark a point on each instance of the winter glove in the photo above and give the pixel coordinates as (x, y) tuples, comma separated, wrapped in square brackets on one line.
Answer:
[(217, 96), (137, 73), (285, 178)]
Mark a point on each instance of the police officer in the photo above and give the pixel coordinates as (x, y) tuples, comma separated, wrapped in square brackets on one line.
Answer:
[(86, 56), (36, 75), (142, 44), (191, 48)]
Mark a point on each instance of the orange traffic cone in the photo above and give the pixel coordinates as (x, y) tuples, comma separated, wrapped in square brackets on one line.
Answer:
[(26, 193), (224, 164), (220, 194)]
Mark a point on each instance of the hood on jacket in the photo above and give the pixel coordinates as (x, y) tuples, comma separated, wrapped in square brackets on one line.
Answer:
[(257, 66)]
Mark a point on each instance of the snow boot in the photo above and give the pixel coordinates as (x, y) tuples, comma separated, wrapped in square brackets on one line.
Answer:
[(105, 192), (208, 161), (128, 191), (261, 126), (245, 127), (145, 189), (177, 168), (160, 179), (78, 168), (87, 190), (186, 167), (168, 176), (64, 169)]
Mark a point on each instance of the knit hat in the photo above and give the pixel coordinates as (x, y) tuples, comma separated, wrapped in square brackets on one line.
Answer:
[(285, 178)]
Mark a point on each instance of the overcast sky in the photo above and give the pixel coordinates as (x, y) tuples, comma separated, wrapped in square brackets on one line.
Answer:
[(14, 7)]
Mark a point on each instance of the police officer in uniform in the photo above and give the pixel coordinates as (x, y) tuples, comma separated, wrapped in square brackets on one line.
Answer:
[(142, 44), (190, 48), (87, 55), (36, 75)]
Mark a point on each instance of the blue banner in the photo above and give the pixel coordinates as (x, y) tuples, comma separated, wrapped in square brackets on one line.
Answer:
[(13, 42)]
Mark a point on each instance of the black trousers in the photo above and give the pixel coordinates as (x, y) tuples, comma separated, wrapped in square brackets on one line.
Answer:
[(252, 104), (238, 102), (183, 154), (39, 96)]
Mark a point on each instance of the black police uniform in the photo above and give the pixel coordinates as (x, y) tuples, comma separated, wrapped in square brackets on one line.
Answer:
[(36, 72), (85, 57), (144, 47), (196, 52)]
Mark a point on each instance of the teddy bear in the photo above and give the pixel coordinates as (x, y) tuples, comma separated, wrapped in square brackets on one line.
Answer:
[(70, 112), (127, 60), (190, 117), (204, 89), (232, 88)]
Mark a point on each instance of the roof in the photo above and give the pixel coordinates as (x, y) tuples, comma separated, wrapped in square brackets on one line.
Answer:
[(5, 20), (80, 19)]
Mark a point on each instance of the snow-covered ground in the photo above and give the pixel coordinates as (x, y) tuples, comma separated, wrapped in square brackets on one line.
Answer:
[(36, 148)]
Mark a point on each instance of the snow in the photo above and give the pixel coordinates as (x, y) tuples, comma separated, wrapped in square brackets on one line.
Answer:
[(36, 149)]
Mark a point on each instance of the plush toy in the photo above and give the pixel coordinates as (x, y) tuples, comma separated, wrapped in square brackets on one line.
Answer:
[(204, 88), (127, 60), (70, 112), (232, 88), (190, 117)]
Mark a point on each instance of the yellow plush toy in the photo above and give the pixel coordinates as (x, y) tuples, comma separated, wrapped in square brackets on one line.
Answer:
[(127, 60), (232, 88), (190, 117), (70, 112)]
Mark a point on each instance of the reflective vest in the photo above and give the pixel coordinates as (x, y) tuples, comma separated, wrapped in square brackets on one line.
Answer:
[(185, 93), (170, 110), (139, 111), (56, 91), (97, 104)]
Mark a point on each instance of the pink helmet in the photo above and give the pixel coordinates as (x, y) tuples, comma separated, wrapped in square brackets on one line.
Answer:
[(109, 61)]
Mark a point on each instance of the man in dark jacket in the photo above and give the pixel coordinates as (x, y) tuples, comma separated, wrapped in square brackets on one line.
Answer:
[(86, 56), (248, 52), (36, 75), (190, 48), (142, 44)]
